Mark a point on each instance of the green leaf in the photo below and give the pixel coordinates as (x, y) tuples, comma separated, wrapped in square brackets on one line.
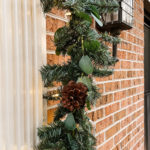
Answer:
[(84, 16), (86, 81), (95, 11), (70, 122), (97, 20), (92, 45), (88, 105), (86, 64), (58, 52), (69, 137), (72, 142)]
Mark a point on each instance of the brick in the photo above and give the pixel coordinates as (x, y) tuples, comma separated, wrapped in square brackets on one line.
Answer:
[(136, 130), (117, 147), (140, 73), (140, 104), (107, 146), (129, 146), (52, 103), (50, 115), (140, 89), (125, 141), (104, 124), (140, 57), (119, 136), (126, 121), (125, 83), (120, 115), (53, 24), (130, 38), (96, 114), (140, 120), (138, 65), (120, 74), (57, 12), (136, 82), (137, 98), (117, 65), (112, 131), (104, 78), (106, 99), (126, 102), (101, 88), (112, 108), (123, 35), (131, 56), (139, 141), (50, 43), (125, 45), (131, 74), (112, 86), (137, 113), (54, 59), (119, 95), (131, 91), (131, 109), (131, 127), (100, 139), (126, 64), (121, 54)]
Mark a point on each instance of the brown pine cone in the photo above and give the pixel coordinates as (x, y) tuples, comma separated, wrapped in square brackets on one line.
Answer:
[(74, 95)]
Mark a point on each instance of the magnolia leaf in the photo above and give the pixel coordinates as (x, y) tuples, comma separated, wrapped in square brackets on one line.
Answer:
[(97, 20), (70, 122), (86, 81), (86, 65)]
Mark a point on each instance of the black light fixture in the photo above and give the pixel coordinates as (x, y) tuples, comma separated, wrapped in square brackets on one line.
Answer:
[(118, 21)]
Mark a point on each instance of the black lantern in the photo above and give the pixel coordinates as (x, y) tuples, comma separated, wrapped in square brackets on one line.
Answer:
[(118, 21)]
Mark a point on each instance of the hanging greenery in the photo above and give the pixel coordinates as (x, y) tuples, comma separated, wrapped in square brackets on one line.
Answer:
[(89, 57)]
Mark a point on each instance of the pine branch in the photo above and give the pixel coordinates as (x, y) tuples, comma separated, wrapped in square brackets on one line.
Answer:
[(58, 73), (102, 73), (52, 131)]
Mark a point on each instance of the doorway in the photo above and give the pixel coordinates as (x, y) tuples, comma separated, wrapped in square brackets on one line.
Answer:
[(147, 78)]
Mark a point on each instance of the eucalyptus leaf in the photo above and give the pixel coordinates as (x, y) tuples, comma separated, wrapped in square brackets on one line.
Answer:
[(70, 122), (97, 20), (86, 64)]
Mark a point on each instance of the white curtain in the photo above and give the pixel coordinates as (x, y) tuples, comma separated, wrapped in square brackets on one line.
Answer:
[(22, 52)]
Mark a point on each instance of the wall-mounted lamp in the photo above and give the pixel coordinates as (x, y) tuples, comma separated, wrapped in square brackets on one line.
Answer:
[(118, 21)]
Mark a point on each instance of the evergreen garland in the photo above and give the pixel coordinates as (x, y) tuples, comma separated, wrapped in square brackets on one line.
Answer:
[(89, 57)]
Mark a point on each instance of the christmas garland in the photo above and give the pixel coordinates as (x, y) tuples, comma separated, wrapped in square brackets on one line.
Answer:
[(89, 57)]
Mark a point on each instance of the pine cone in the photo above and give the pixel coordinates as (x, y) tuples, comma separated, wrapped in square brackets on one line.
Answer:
[(74, 95)]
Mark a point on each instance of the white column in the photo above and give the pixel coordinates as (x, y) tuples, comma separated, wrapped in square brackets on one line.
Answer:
[(22, 53)]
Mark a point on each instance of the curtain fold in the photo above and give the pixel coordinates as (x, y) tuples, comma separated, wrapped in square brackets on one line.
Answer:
[(22, 52)]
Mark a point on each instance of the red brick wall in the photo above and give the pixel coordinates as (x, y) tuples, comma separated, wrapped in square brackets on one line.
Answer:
[(118, 117)]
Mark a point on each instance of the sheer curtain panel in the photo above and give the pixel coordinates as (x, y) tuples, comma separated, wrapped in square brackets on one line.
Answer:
[(22, 46)]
